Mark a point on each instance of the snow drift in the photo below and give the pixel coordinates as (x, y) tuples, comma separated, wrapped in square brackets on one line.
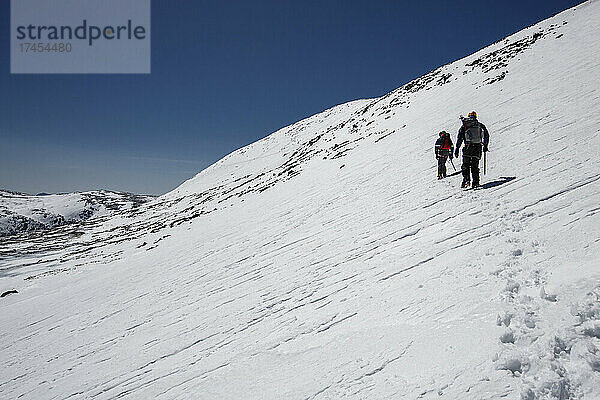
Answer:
[(326, 261)]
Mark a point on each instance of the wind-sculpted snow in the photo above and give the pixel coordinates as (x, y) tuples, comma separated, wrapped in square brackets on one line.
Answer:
[(326, 261)]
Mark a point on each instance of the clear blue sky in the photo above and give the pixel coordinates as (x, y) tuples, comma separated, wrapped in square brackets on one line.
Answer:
[(224, 74)]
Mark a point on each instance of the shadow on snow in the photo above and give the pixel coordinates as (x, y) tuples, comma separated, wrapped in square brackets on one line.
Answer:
[(498, 182)]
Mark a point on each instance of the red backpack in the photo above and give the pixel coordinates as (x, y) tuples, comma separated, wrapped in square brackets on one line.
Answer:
[(446, 142)]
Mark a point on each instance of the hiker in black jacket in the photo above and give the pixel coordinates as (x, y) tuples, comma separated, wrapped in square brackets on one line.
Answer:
[(443, 150), (476, 138)]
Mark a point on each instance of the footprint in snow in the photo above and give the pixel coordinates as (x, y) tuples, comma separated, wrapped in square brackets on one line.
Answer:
[(505, 320), (546, 296), (507, 337), (517, 253), (512, 286)]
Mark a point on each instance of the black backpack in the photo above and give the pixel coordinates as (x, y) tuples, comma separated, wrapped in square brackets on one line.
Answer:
[(473, 131)]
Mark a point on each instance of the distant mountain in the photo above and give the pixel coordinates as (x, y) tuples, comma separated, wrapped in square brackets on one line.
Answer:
[(25, 213)]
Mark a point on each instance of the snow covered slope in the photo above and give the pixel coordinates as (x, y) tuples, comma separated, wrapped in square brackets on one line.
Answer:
[(21, 212), (326, 261)]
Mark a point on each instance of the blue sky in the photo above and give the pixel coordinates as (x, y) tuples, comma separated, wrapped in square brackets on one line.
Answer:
[(225, 74)]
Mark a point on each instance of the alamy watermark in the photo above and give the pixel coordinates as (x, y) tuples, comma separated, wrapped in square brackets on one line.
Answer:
[(80, 36)]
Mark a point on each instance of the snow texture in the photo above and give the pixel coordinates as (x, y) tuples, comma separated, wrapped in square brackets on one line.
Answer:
[(326, 261)]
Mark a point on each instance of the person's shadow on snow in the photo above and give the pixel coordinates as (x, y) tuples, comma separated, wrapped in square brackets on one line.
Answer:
[(498, 182)]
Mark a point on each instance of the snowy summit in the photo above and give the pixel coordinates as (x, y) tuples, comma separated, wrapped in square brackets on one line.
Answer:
[(326, 261)]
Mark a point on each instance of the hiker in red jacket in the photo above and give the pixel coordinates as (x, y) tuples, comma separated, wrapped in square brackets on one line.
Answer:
[(443, 150)]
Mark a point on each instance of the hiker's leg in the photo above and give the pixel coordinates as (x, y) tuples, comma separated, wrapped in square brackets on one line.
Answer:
[(465, 167), (475, 170)]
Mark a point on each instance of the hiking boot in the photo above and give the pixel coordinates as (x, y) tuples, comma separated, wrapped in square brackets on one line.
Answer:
[(465, 184)]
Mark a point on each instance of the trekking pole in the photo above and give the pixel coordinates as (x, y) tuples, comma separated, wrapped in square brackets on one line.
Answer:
[(452, 162), (484, 161)]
